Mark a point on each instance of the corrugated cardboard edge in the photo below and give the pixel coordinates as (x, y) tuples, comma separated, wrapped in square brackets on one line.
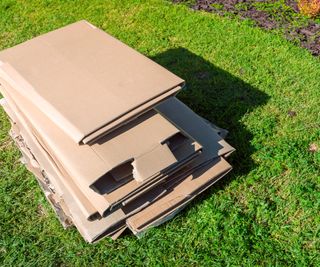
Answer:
[(62, 213)]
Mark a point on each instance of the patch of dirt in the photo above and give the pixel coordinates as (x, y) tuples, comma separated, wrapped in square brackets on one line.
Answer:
[(292, 113), (313, 148), (308, 35), (293, 4), (41, 211)]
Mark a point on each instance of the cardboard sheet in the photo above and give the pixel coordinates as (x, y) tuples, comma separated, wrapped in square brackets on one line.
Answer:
[(96, 200), (85, 79)]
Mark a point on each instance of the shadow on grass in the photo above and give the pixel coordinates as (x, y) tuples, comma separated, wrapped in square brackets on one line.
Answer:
[(222, 99)]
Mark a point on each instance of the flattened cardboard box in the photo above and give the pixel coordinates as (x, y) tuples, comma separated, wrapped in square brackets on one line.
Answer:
[(175, 112), (108, 82), (167, 206), (155, 175)]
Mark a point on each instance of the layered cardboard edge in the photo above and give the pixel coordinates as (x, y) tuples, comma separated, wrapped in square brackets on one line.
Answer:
[(115, 230)]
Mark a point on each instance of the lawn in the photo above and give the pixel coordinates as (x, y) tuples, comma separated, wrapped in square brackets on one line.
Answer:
[(281, 16), (256, 84)]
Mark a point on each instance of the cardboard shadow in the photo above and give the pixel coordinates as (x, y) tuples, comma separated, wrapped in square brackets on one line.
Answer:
[(221, 98)]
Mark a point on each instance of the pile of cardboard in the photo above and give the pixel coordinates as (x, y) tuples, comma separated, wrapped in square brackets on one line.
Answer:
[(100, 127)]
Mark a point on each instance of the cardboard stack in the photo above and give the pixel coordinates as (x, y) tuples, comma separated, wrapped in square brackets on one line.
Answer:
[(100, 127)]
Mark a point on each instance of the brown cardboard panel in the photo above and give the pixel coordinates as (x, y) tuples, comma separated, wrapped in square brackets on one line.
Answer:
[(180, 194), (94, 235), (220, 131), (195, 126), (186, 153), (133, 189), (180, 180), (177, 175), (124, 171), (160, 221), (168, 215), (86, 163), (117, 228), (93, 232), (123, 191), (184, 118), (108, 184), (118, 233), (173, 202), (115, 221), (171, 179), (53, 112), (183, 147), (119, 140), (61, 68)]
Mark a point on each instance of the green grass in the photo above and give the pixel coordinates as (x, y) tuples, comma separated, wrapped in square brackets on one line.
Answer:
[(284, 19), (265, 212)]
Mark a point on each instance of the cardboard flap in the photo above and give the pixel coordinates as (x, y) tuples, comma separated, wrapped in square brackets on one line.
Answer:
[(152, 162)]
